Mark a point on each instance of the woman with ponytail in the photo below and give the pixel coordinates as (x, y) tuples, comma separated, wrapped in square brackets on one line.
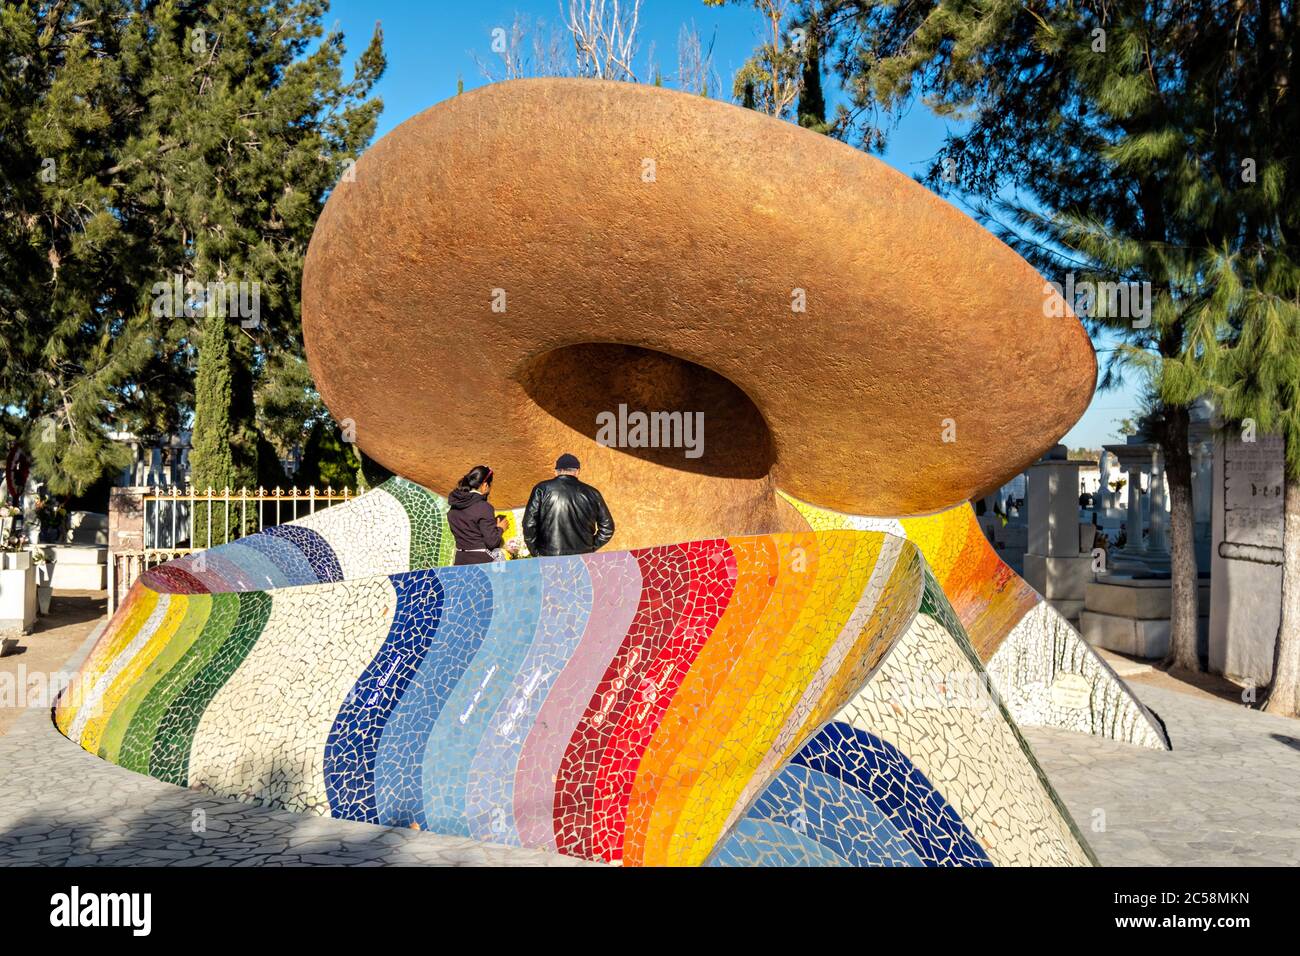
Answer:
[(474, 524)]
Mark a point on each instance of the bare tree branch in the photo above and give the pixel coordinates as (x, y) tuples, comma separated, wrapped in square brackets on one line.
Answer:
[(605, 37)]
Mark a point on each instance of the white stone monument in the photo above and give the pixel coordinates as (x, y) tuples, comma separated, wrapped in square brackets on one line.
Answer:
[(1246, 557), (1058, 562), (1128, 607)]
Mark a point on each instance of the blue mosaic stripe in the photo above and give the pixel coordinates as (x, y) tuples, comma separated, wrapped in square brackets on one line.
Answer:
[(455, 738), (836, 815), (284, 556), (258, 568), (314, 548), (894, 785), (566, 604), (354, 739), (753, 842), (466, 615)]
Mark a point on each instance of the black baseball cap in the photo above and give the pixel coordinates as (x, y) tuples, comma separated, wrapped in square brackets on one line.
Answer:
[(567, 462)]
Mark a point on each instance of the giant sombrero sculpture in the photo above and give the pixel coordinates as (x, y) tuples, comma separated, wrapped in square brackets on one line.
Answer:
[(794, 683)]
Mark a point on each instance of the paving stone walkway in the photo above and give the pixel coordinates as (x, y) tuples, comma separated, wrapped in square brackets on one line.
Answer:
[(1227, 795), (61, 805)]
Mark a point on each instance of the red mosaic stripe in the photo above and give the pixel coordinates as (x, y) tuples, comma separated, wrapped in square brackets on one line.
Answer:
[(712, 580), (170, 579), (665, 573)]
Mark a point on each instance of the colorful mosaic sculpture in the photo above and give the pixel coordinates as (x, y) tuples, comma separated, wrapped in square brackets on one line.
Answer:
[(832, 691), (791, 698), (1045, 672), (555, 249)]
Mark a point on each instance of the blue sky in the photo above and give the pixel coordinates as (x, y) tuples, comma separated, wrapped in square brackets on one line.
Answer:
[(431, 44)]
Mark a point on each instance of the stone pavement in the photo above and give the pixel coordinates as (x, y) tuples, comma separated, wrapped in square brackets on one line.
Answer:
[(56, 636), (1228, 794), (60, 805)]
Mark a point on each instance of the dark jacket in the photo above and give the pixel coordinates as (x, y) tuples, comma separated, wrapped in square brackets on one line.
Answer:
[(474, 526), (566, 516)]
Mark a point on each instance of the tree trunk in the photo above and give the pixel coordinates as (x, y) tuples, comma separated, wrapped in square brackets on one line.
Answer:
[(1183, 652), (1284, 692)]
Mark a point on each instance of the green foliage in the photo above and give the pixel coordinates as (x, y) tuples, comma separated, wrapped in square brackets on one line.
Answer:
[(811, 109), (287, 401), (224, 450), (373, 473), (1256, 369), (141, 142), (328, 461), (1106, 140), (771, 79)]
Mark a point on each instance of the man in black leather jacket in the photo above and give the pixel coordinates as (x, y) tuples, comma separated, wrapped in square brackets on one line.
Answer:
[(565, 515)]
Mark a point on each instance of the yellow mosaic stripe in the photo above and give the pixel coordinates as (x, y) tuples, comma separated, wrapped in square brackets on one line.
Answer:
[(120, 632), (673, 760), (815, 634), (92, 734), (707, 757), (198, 608), (760, 713)]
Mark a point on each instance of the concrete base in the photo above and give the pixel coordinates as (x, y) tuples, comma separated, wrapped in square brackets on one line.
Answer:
[(1129, 561), (15, 560), (1059, 578), (78, 567), (1139, 638), (1070, 610), (17, 600), (1142, 598), (1131, 615)]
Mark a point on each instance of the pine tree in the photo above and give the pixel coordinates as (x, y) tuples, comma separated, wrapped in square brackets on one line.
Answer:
[(1254, 282), (1097, 144), (811, 109), (188, 142), (75, 331)]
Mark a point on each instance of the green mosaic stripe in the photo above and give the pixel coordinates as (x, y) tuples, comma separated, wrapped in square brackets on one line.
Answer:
[(197, 609), (170, 759), (431, 541), (178, 671), (935, 604)]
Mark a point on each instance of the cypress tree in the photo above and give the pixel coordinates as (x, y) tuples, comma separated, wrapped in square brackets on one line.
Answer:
[(1097, 143), (224, 439)]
